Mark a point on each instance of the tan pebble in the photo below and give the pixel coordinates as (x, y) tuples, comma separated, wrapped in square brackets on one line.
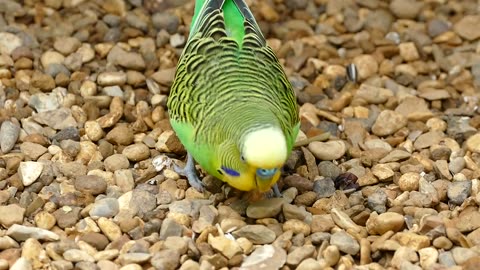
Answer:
[(366, 65), (473, 143), (51, 57), (124, 179), (245, 244), (265, 208), (365, 251), (428, 139), (116, 162), (132, 266), (297, 227), (168, 142), (136, 152), (441, 167), (466, 27), (404, 254), (32, 150), (331, 255), (109, 228), (88, 89), (257, 234), (442, 242), (388, 122), (86, 52), (11, 214), (330, 150), (452, 144), (308, 112), (109, 254), (462, 254), (341, 102), (388, 245), (93, 130), (299, 254), (342, 220), (389, 221), (182, 219), (406, 69), (408, 51), (158, 113), (77, 255), (171, 174), (373, 94), (22, 264), (179, 194), (266, 255), (224, 245), (268, 12), (133, 257), (34, 252), (88, 150), (190, 265), (230, 224), (428, 257), (361, 112), (383, 172), (4, 264), (103, 48), (311, 264), (409, 181), (45, 220), (436, 124), (135, 78), (440, 152), (86, 247), (116, 112), (121, 135), (412, 240)]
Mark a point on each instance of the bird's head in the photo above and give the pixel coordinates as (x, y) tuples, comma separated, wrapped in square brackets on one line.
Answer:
[(262, 153)]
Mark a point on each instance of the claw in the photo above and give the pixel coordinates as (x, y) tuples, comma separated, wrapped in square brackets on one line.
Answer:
[(276, 191), (190, 172)]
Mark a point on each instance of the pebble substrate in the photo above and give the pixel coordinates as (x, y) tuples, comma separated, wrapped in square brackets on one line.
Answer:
[(83, 87)]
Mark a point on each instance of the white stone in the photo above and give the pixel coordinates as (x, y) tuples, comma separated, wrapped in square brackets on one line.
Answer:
[(29, 171)]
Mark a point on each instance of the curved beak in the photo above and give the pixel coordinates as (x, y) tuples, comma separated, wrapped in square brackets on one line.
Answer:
[(266, 179)]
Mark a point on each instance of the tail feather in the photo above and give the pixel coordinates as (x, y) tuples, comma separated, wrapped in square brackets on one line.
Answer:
[(251, 25), (217, 18), (203, 13)]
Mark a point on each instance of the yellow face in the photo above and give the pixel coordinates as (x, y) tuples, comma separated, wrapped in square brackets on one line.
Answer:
[(257, 163), (252, 178)]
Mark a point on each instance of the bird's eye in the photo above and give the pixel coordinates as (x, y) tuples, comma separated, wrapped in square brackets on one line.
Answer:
[(242, 158), (229, 171), (266, 173)]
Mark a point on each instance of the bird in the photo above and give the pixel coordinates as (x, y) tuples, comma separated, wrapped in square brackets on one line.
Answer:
[(231, 104)]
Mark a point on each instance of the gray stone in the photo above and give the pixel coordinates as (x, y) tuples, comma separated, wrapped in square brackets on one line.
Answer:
[(324, 188), (22, 233), (377, 201), (8, 136), (170, 228), (458, 191), (345, 242)]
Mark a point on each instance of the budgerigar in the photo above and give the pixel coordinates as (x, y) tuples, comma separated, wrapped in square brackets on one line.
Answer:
[(231, 104)]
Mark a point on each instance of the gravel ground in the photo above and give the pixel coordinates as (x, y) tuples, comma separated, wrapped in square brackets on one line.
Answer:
[(86, 145)]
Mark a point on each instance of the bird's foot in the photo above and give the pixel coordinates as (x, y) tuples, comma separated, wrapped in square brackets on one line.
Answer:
[(276, 191), (190, 172)]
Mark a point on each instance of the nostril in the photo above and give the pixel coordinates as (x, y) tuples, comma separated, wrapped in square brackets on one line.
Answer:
[(266, 172)]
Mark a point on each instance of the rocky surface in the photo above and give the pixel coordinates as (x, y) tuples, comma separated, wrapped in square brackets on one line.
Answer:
[(86, 145)]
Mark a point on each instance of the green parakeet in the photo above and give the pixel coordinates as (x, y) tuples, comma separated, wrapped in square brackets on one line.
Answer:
[(231, 103)]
